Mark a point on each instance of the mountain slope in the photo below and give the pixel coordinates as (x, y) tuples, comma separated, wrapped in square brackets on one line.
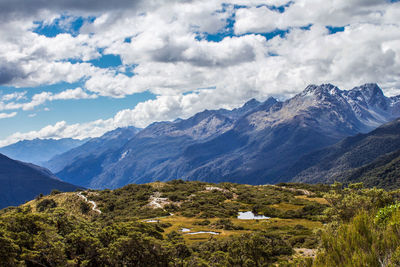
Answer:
[(384, 172), (152, 148), (20, 182), (38, 151), (353, 158), (255, 144), (94, 148)]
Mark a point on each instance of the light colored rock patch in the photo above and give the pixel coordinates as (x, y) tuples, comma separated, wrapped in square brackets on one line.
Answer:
[(306, 252), (158, 202)]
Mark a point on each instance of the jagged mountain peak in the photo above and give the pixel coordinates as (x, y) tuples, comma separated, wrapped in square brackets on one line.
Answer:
[(370, 93), (251, 103), (252, 143), (269, 102), (323, 89), (369, 88)]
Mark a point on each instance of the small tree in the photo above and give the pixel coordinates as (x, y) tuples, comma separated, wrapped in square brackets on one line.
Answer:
[(85, 207), (55, 192), (46, 204)]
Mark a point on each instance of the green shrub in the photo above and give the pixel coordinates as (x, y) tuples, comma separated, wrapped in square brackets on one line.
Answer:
[(84, 207), (204, 222), (46, 204), (55, 192)]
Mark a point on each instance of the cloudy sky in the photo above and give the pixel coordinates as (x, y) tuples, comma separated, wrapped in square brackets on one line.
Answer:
[(71, 68)]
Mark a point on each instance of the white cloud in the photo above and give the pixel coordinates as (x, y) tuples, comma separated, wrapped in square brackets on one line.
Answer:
[(173, 58), (7, 115), (305, 12), (14, 96), (59, 130), (160, 109), (43, 97)]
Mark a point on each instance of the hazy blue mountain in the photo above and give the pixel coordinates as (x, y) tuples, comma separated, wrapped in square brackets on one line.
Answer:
[(38, 151), (255, 144), (20, 182), (354, 159), (89, 154), (159, 142)]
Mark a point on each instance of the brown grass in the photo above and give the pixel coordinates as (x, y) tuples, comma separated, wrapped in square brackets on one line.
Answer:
[(179, 222), (319, 200)]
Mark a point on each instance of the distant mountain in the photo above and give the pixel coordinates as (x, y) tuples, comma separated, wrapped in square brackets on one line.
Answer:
[(257, 143), (38, 151), (372, 158), (157, 142), (89, 155), (20, 182)]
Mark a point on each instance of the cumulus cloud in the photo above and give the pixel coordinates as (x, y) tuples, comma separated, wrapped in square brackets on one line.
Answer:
[(305, 12), (177, 47), (9, 72), (60, 130), (7, 115), (43, 97), (14, 96), (13, 8), (161, 109)]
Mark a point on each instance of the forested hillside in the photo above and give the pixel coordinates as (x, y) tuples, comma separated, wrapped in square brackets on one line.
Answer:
[(193, 224), (370, 158)]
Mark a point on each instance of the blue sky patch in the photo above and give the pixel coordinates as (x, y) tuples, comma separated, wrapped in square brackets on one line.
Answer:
[(333, 30), (107, 61), (64, 24)]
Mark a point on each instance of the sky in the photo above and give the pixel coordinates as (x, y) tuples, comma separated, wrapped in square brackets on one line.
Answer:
[(77, 69)]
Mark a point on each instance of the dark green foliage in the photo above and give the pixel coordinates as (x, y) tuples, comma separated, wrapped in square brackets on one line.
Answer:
[(256, 249), (117, 237), (225, 224), (84, 207), (55, 192), (39, 196), (361, 243), (8, 251), (47, 241), (205, 222), (384, 172), (384, 214), (46, 204), (371, 158), (346, 203), (364, 231), (128, 201)]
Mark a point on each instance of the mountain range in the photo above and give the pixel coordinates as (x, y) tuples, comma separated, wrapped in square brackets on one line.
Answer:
[(258, 143), (38, 151), (20, 182), (371, 158)]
